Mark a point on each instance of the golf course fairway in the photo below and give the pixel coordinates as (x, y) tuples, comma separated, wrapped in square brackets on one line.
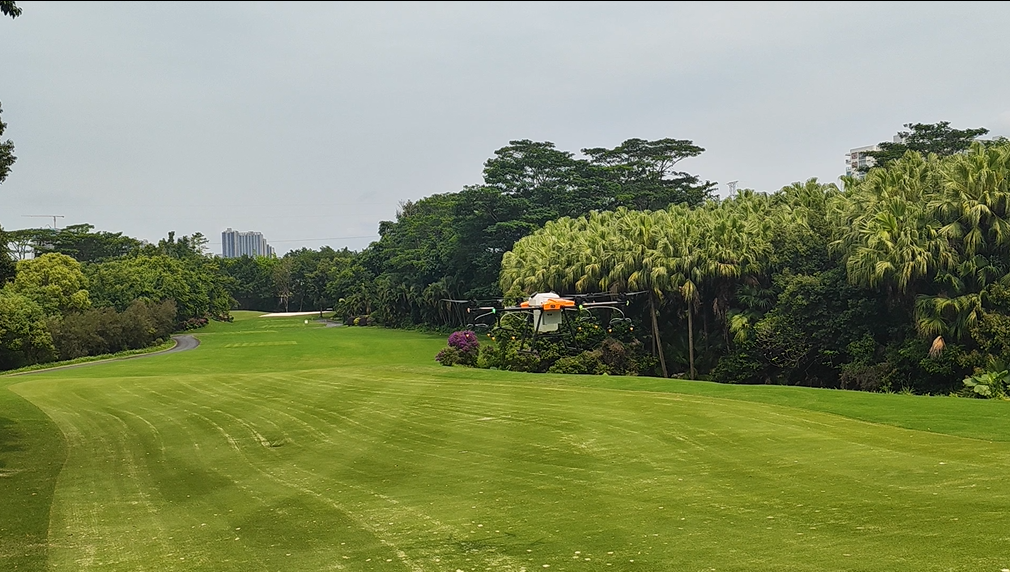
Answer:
[(278, 445)]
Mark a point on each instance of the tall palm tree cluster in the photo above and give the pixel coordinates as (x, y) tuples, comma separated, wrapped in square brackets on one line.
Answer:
[(933, 231), (901, 276), (688, 260)]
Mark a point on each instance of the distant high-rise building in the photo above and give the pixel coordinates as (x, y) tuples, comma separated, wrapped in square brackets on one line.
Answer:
[(235, 244)]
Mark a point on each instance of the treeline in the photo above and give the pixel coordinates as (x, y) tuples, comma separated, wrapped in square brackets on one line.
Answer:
[(450, 246), (91, 293), (899, 281)]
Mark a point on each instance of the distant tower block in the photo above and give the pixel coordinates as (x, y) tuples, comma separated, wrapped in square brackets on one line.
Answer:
[(235, 244)]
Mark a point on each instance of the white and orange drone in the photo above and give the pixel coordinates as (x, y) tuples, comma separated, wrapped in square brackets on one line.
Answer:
[(547, 312)]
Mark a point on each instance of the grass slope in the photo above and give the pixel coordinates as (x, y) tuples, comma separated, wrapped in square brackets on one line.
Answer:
[(278, 445)]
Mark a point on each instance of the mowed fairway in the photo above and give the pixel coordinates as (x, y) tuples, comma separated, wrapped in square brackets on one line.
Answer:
[(281, 446)]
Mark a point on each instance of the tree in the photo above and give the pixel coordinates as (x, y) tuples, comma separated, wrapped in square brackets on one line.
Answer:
[(24, 339), (185, 247), (7, 266), (533, 170), (280, 275), (197, 286), (926, 138), (252, 283), (23, 243), (10, 8), (83, 245), (643, 173), (54, 281), (7, 157)]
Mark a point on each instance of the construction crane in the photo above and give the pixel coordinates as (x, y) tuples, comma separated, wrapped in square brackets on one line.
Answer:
[(52, 216)]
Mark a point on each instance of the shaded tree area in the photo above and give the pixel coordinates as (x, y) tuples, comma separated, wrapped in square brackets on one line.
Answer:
[(7, 267)]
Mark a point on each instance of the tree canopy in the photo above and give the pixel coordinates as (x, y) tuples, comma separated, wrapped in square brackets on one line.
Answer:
[(7, 157), (7, 267), (10, 8), (896, 282), (925, 138), (79, 242)]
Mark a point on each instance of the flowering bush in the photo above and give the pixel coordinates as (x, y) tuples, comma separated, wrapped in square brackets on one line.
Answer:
[(464, 341), (463, 349)]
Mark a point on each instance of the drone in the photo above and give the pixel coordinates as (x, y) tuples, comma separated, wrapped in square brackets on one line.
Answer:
[(546, 312)]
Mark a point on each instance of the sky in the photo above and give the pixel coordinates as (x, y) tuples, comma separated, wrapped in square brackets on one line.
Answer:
[(312, 122)]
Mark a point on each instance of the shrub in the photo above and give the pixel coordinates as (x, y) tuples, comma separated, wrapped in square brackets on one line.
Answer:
[(448, 356), (464, 341), (989, 384), (741, 366), (864, 377), (359, 321), (464, 349), (506, 354), (103, 330), (617, 357), (587, 363), (192, 324)]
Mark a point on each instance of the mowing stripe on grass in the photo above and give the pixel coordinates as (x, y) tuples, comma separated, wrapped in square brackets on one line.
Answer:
[(352, 450)]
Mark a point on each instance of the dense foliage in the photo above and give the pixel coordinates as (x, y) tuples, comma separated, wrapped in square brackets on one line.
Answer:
[(899, 281), (7, 157), (925, 138), (450, 246), (91, 293)]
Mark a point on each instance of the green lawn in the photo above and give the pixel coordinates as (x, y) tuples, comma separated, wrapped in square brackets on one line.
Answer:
[(281, 446)]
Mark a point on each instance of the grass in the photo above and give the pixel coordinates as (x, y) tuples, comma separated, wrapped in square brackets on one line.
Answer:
[(280, 445)]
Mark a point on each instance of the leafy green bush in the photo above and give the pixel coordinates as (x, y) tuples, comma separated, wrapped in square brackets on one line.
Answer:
[(507, 354), (586, 363), (103, 330), (552, 354), (741, 366), (448, 356), (989, 384), (191, 324)]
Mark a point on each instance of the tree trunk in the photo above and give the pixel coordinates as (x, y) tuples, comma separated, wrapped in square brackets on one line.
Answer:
[(704, 329), (655, 335), (690, 338)]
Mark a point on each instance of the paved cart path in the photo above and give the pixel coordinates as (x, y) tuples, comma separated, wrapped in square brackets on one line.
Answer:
[(183, 342)]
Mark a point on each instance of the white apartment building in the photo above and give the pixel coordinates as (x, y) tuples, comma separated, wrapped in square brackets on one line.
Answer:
[(856, 159), (235, 244)]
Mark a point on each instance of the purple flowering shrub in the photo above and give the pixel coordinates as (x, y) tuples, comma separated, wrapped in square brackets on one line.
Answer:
[(463, 349), (464, 341)]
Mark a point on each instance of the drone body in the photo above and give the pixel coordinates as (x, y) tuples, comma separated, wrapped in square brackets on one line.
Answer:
[(547, 313), (548, 310)]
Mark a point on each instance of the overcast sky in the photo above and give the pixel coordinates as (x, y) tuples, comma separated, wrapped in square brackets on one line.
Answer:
[(311, 122)]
